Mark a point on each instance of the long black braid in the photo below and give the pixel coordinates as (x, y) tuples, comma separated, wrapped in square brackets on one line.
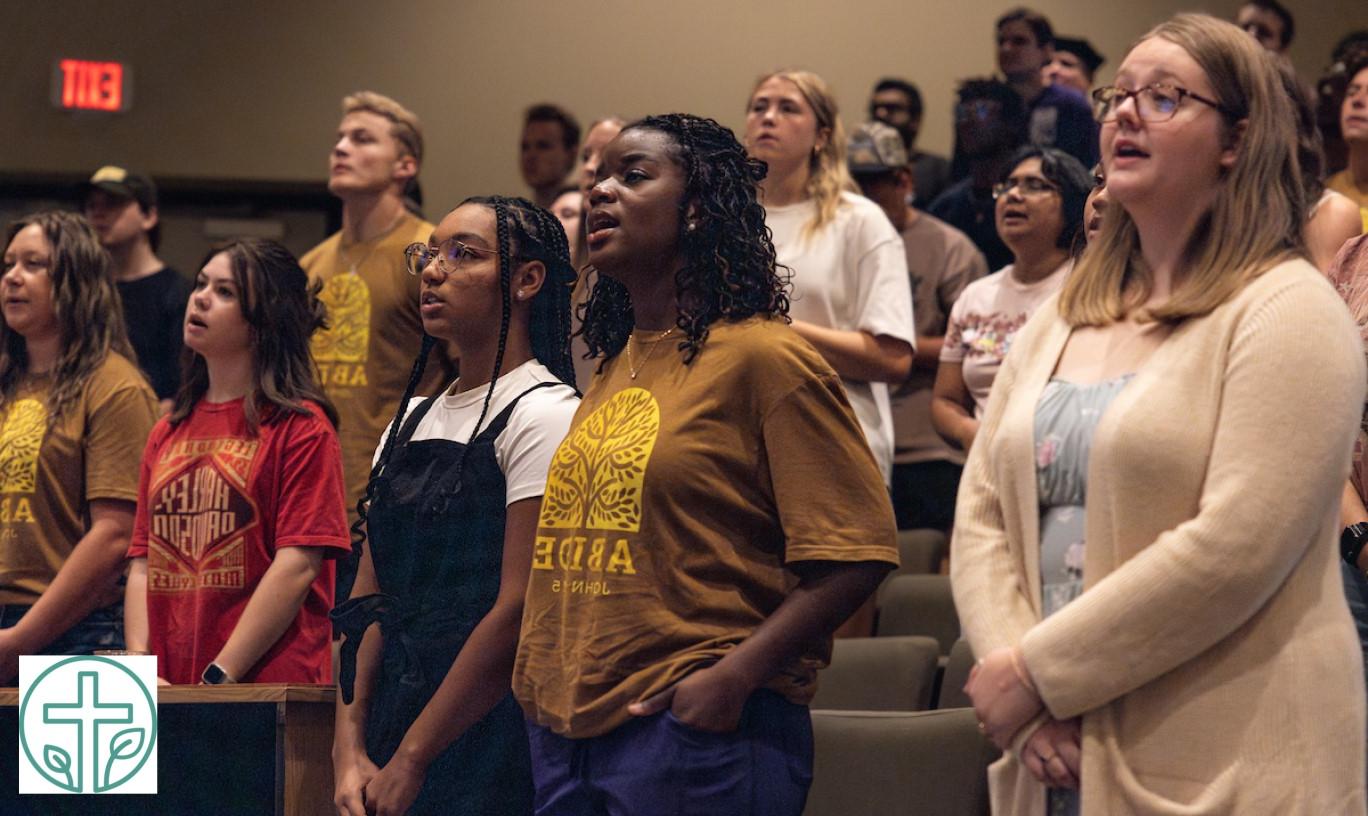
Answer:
[(524, 232), (730, 271)]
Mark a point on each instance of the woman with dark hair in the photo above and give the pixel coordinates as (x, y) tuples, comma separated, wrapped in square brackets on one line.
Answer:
[(74, 412), (241, 510), (693, 552), (1039, 216), (425, 720), (1332, 219), (1096, 206)]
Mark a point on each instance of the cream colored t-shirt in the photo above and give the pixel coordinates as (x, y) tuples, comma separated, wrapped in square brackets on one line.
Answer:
[(50, 473), (365, 356), (671, 511), (851, 275), (985, 320)]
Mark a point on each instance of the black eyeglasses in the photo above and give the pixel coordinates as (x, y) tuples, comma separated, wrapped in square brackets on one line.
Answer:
[(450, 255), (1029, 186), (1153, 103)]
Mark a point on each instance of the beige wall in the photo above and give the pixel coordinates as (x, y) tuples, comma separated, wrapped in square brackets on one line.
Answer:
[(250, 89)]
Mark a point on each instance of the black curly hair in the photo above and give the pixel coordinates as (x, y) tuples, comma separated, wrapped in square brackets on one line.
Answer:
[(525, 232), (730, 270), (1069, 175)]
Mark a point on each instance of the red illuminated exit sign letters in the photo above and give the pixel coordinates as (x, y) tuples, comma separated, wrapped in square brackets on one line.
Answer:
[(91, 86)]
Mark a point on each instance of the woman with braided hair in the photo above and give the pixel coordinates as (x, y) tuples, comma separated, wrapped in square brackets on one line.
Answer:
[(425, 721), (712, 516)]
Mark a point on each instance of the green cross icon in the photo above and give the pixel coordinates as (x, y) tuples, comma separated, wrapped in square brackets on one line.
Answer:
[(82, 713)]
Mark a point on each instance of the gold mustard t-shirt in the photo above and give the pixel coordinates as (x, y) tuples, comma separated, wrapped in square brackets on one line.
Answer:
[(671, 510), (50, 472), (365, 356)]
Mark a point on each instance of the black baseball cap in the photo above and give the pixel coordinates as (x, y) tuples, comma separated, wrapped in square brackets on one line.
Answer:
[(123, 183), (1082, 49)]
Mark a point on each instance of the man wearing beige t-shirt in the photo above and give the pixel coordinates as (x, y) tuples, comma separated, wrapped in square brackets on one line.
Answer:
[(375, 331), (941, 261)]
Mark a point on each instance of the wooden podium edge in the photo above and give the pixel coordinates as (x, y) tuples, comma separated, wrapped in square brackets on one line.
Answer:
[(240, 693)]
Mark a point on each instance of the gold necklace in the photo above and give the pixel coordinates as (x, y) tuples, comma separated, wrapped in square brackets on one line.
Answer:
[(654, 341)]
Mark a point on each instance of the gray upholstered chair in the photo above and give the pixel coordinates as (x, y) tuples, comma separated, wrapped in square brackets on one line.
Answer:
[(921, 551), (927, 763), (951, 693), (879, 674), (918, 605)]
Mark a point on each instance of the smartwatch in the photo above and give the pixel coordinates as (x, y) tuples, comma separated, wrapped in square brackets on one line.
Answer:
[(214, 675), (1352, 542)]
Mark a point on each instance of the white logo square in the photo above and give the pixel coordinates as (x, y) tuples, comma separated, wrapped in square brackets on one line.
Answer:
[(87, 724)]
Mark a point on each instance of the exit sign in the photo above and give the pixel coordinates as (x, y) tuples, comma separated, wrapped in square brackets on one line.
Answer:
[(88, 85)]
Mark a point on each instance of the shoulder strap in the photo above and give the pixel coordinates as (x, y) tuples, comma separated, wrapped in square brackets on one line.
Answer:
[(496, 426), (411, 421)]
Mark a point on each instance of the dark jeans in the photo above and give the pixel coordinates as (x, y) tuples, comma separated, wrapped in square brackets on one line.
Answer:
[(924, 494), (658, 765), (1356, 593), (101, 629)]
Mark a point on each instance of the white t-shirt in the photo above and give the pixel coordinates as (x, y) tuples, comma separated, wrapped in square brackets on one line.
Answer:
[(526, 445), (852, 275), (985, 320)]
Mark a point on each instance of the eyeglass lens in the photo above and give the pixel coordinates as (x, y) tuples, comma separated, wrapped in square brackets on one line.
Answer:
[(1153, 103)]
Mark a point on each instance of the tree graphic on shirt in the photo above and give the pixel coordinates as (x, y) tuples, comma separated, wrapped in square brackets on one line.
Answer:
[(595, 480), (21, 437), (347, 338)]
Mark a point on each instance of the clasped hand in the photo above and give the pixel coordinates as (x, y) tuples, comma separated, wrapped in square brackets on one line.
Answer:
[(1002, 699), (1052, 753), (1005, 701)]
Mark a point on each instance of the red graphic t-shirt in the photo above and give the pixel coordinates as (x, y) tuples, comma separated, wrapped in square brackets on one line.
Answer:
[(214, 505)]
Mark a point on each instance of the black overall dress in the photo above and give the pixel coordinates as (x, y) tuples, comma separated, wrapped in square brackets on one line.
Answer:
[(437, 561)]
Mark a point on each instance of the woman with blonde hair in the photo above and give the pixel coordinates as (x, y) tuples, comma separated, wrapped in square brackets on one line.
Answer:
[(1164, 660), (74, 413), (851, 298)]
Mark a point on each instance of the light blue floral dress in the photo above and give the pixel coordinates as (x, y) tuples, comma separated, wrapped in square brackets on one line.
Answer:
[(1065, 419)]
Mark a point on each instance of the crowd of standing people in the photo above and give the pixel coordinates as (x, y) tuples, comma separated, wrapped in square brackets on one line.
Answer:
[(568, 494)]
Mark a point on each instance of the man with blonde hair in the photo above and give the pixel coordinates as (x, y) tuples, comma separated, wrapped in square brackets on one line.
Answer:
[(374, 325)]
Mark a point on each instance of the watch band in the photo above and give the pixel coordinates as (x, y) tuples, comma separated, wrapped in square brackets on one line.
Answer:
[(214, 675), (1352, 541)]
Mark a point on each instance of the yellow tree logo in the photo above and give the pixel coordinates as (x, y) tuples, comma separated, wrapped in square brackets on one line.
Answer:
[(348, 336), (20, 439), (596, 477)]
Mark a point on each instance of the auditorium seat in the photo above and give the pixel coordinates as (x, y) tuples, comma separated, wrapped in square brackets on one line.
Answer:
[(918, 605), (921, 551), (879, 674), (951, 691), (871, 763)]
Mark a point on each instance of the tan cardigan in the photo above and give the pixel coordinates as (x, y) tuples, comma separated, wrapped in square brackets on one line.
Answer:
[(1211, 654)]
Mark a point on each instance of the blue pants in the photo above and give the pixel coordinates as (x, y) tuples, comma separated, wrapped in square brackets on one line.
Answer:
[(101, 629), (660, 766), (1356, 593)]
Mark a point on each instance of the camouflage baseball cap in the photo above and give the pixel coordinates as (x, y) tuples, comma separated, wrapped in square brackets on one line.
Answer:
[(874, 147)]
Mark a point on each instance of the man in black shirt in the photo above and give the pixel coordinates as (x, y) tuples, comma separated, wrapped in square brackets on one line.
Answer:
[(122, 206), (990, 124)]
